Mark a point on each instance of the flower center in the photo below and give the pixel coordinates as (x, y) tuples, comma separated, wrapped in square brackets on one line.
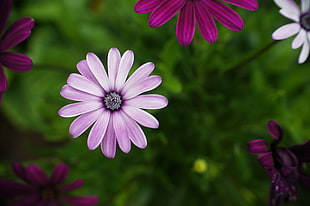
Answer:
[(112, 101), (48, 193), (305, 21)]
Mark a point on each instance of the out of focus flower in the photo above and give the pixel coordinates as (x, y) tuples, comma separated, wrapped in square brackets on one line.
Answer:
[(200, 166), (201, 12), (301, 26), (16, 33), (41, 190), (283, 165), (112, 102)]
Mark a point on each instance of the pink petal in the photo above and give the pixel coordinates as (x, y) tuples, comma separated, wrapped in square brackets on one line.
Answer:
[(81, 201), (16, 62), (33, 199), (5, 10), (83, 122), (59, 173), (36, 175), (98, 70), (108, 145), (75, 109), (83, 84), (73, 185), (2, 80), (258, 146), (225, 15), (69, 92), (84, 69), (299, 39), (98, 131), (20, 171), (148, 101), (165, 11), (286, 31), (186, 24), (142, 117), (266, 160), (206, 24), (124, 67), (114, 58), (148, 84), (246, 4), (121, 132), (304, 53), (146, 6), (275, 129), (10, 189)]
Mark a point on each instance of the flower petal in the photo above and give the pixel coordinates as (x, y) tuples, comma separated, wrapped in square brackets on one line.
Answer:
[(289, 9), (73, 185), (206, 24), (98, 70), (302, 151), (81, 201), (108, 145), (304, 53), (83, 122), (5, 10), (33, 199), (186, 24), (16, 62), (146, 6), (124, 67), (299, 39), (69, 92), (246, 4), (148, 101), (98, 131), (36, 175), (12, 189), (59, 173), (305, 6), (84, 69), (121, 131), (75, 109), (286, 31), (266, 160), (17, 32), (114, 58), (83, 84), (20, 171), (142, 117), (148, 84), (275, 129), (2, 80), (258, 146), (165, 11), (225, 15)]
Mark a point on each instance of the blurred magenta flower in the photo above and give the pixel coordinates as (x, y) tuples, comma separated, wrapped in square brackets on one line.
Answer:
[(301, 25), (112, 102), (16, 33), (283, 165), (192, 12), (41, 190)]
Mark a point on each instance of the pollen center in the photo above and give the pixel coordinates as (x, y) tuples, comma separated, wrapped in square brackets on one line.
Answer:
[(112, 101), (48, 193), (305, 21)]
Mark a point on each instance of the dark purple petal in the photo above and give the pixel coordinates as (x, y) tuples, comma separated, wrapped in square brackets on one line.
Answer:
[(59, 173), (302, 152), (258, 146), (31, 200), (81, 201), (18, 32), (246, 4), (12, 189), (2, 80), (5, 10), (285, 157), (274, 198), (16, 62), (186, 24), (20, 171), (275, 130), (206, 24), (266, 160), (36, 175), (146, 6), (73, 185), (225, 15), (165, 11)]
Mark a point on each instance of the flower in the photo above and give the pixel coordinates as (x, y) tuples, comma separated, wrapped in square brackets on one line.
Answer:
[(301, 25), (16, 33), (283, 165), (192, 12), (113, 103), (41, 190)]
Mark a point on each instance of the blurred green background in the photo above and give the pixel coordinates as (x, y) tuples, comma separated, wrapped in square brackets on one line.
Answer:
[(198, 156)]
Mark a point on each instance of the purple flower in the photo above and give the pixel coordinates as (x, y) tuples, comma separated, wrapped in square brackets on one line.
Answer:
[(192, 12), (283, 165), (301, 25), (40, 190), (16, 33), (112, 102)]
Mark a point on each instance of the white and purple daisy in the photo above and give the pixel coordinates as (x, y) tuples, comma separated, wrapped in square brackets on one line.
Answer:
[(301, 26), (112, 102)]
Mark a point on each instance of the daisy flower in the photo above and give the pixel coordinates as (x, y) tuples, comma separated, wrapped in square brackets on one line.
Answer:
[(41, 190), (112, 102), (301, 26), (201, 12), (16, 33)]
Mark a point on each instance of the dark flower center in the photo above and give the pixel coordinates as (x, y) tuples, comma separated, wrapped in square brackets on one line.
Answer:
[(112, 101), (305, 21), (48, 193)]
